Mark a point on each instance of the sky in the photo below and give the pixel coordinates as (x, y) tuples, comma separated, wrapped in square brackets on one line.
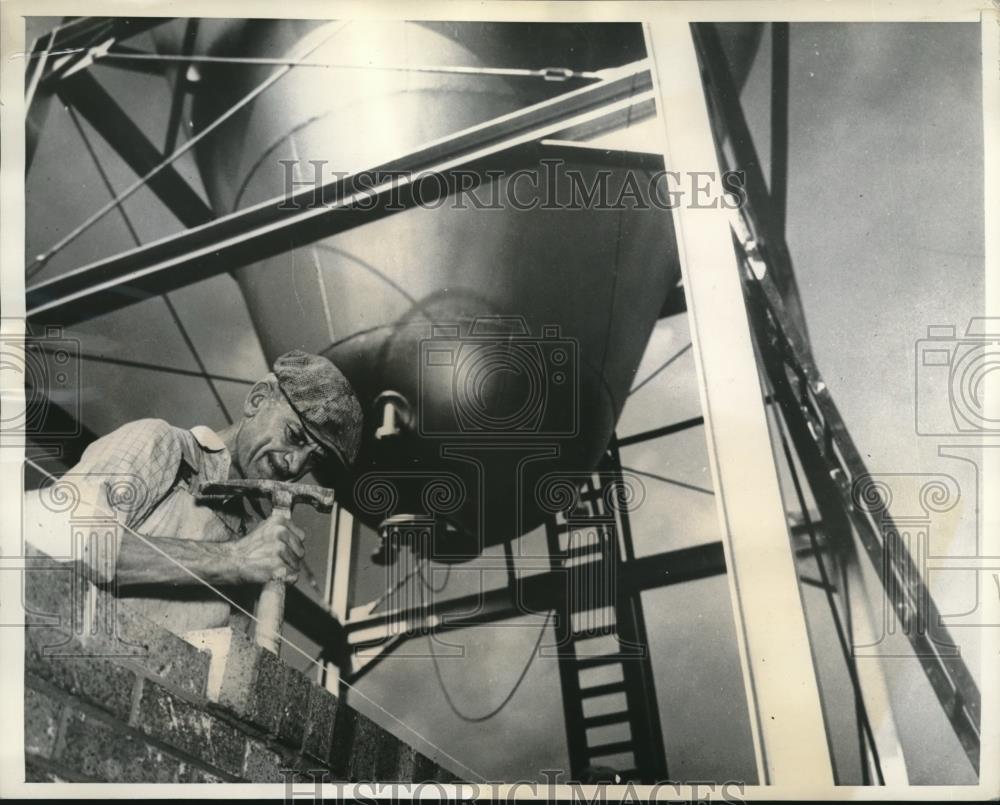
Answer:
[(885, 231)]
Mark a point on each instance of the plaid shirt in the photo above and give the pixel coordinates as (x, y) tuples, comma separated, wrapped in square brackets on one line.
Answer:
[(140, 476)]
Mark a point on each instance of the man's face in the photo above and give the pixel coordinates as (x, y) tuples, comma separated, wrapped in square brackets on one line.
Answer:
[(273, 444)]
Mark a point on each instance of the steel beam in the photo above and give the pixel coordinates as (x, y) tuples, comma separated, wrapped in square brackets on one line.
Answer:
[(85, 94), (675, 303), (340, 562), (312, 213), (34, 125), (318, 625), (779, 126), (880, 753), (181, 87), (821, 438), (85, 32), (786, 715), (731, 129), (666, 430), (537, 593), (146, 63), (833, 466), (645, 726), (828, 453)]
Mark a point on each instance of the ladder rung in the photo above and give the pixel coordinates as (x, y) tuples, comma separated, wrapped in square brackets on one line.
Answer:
[(598, 660), (582, 550), (610, 749), (596, 630), (602, 690), (579, 521), (595, 524), (582, 635), (606, 718)]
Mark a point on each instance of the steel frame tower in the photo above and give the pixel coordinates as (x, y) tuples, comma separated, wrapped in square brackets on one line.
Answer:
[(761, 284)]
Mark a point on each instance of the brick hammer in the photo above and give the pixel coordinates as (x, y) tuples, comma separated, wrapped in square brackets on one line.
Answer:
[(283, 495)]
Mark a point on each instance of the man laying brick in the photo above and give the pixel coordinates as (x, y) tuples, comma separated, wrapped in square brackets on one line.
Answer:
[(169, 551)]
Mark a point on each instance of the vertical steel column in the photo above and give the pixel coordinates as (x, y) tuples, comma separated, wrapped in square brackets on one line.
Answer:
[(338, 579), (569, 680), (871, 677), (881, 752), (779, 126), (786, 717), (651, 754)]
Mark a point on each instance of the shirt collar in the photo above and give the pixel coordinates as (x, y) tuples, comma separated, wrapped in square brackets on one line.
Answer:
[(208, 438)]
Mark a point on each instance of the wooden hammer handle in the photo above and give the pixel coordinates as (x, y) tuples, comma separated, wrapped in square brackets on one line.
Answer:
[(270, 615), (271, 604)]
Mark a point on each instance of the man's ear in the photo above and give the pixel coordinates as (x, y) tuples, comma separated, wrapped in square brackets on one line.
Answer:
[(263, 391)]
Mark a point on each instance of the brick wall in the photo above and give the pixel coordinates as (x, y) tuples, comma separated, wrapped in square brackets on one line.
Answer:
[(134, 704)]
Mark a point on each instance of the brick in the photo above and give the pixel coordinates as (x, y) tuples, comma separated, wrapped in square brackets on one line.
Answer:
[(232, 663), (59, 595), (163, 654), (424, 769), (244, 679), (97, 680), (190, 729), (134, 642), (110, 754), (266, 694), (257, 688), (49, 592), (63, 641), (197, 775), (88, 619), (301, 778), (41, 722), (406, 763), (364, 749), (54, 587), (37, 770), (320, 718), (442, 775), (387, 756), (294, 708), (344, 724), (262, 765)]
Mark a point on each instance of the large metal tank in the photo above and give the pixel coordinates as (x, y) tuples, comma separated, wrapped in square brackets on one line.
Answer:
[(505, 340)]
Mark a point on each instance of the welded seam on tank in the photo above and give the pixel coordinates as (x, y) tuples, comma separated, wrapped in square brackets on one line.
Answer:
[(378, 273), (652, 375), (324, 300), (478, 126), (252, 171), (614, 292)]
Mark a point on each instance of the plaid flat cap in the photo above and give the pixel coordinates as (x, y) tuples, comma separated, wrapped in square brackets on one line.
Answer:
[(324, 400)]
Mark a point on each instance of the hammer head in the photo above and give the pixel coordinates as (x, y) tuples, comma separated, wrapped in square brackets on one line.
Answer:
[(282, 494)]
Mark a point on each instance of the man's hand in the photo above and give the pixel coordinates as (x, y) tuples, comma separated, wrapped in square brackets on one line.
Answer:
[(273, 550)]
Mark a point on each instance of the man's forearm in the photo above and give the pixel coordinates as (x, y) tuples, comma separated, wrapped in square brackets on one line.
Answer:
[(165, 560)]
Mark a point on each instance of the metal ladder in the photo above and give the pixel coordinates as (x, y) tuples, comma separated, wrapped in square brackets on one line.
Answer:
[(612, 721)]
